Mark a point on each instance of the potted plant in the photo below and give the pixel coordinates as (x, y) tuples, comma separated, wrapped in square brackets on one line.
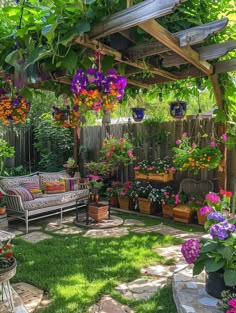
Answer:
[(7, 262), (182, 212), (189, 156), (157, 170), (168, 202), (98, 211), (216, 252), (2, 204), (195, 202), (125, 196), (6, 151), (71, 167), (112, 193)]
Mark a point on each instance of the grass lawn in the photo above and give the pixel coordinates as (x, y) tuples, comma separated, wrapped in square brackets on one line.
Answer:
[(76, 271)]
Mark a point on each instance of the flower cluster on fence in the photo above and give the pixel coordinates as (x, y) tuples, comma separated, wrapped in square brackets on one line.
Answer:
[(13, 109), (95, 90)]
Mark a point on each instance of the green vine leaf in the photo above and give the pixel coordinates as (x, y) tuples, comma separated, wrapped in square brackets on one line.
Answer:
[(37, 54), (12, 57)]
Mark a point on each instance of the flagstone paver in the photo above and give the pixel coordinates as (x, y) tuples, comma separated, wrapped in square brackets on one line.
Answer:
[(114, 221), (18, 303), (133, 222), (142, 288), (73, 230), (35, 237), (54, 226), (15, 232), (159, 270), (109, 232), (30, 295), (109, 305)]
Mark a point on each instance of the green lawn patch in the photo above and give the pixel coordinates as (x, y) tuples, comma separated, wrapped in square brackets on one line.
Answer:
[(76, 271)]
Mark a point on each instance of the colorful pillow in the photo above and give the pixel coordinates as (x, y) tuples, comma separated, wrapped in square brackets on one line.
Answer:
[(71, 183), (33, 188), (54, 187), (21, 191)]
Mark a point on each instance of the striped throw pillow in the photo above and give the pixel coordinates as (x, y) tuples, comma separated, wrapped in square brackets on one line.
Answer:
[(33, 188), (21, 191), (54, 187), (71, 183)]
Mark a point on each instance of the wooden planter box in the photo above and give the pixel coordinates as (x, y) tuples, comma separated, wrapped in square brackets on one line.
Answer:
[(114, 201), (201, 218), (167, 210), (182, 213), (98, 211), (146, 206), (162, 177), (124, 203)]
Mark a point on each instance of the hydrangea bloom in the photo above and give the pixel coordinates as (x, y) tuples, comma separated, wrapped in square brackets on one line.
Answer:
[(221, 230), (216, 216), (213, 197), (205, 209), (190, 250)]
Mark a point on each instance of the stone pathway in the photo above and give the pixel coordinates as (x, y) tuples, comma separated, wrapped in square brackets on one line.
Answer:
[(104, 233), (109, 305), (35, 237), (114, 221)]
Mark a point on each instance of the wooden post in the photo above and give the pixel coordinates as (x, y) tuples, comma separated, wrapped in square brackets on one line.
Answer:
[(76, 142), (221, 128)]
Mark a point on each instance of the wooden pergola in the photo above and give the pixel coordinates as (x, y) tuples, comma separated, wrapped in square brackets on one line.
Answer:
[(181, 50)]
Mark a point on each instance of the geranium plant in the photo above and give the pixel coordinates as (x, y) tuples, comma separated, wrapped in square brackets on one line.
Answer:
[(171, 198), (189, 156), (6, 256), (126, 190), (13, 108), (114, 190), (217, 252), (157, 166), (94, 90)]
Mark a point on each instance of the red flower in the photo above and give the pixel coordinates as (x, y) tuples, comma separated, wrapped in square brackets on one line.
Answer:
[(7, 246), (9, 255), (0, 250), (228, 194)]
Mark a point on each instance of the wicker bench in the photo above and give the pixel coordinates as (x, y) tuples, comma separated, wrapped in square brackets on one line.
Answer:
[(45, 205)]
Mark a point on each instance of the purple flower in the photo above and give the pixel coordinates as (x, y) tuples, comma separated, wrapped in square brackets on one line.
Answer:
[(205, 209), (213, 197), (190, 250), (216, 216), (221, 230)]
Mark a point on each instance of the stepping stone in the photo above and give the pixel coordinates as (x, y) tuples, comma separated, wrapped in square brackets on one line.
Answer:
[(132, 222), (15, 232), (159, 270), (35, 237), (30, 296), (110, 232), (18, 303), (141, 289), (74, 230), (171, 252), (54, 226), (31, 228), (109, 305)]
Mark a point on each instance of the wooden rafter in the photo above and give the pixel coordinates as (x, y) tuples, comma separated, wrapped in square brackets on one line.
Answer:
[(133, 16), (96, 45), (193, 35), (168, 39), (206, 53)]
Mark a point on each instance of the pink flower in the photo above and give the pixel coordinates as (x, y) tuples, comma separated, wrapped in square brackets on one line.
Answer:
[(178, 142), (194, 146), (172, 169), (212, 144), (184, 134), (163, 202), (94, 177), (190, 250), (213, 197), (232, 303), (136, 168), (224, 136), (108, 153), (205, 209), (121, 140), (232, 310)]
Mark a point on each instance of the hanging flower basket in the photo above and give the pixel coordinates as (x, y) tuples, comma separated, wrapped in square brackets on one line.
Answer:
[(95, 90), (178, 109), (138, 114), (13, 109), (67, 116)]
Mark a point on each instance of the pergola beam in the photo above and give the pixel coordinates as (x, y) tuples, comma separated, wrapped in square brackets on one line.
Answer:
[(193, 36), (206, 53), (133, 16), (169, 40), (96, 45)]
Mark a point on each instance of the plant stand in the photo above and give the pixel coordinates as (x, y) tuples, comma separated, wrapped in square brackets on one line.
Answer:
[(182, 213), (146, 206)]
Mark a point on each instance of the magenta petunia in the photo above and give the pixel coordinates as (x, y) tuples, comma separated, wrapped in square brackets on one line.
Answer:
[(213, 198)]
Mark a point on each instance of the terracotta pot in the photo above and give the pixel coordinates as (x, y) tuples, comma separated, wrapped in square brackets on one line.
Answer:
[(98, 211), (201, 218), (3, 210), (167, 210), (114, 201), (182, 213), (124, 203), (146, 206)]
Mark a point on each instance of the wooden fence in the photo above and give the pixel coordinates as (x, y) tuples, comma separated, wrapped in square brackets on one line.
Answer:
[(150, 141), (154, 141)]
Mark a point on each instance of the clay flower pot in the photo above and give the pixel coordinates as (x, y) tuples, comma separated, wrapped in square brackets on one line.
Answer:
[(3, 210), (98, 211)]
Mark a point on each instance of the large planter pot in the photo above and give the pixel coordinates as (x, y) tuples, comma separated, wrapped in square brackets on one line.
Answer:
[(9, 272), (3, 210), (201, 218), (114, 201), (98, 211), (146, 206), (167, 210), (182, 213), (215, 284)]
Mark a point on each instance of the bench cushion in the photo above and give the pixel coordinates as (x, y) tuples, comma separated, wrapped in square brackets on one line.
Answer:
[(55, 199)]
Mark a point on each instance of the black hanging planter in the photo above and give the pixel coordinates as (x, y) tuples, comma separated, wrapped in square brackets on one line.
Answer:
[(178, 109), (138, 114)]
